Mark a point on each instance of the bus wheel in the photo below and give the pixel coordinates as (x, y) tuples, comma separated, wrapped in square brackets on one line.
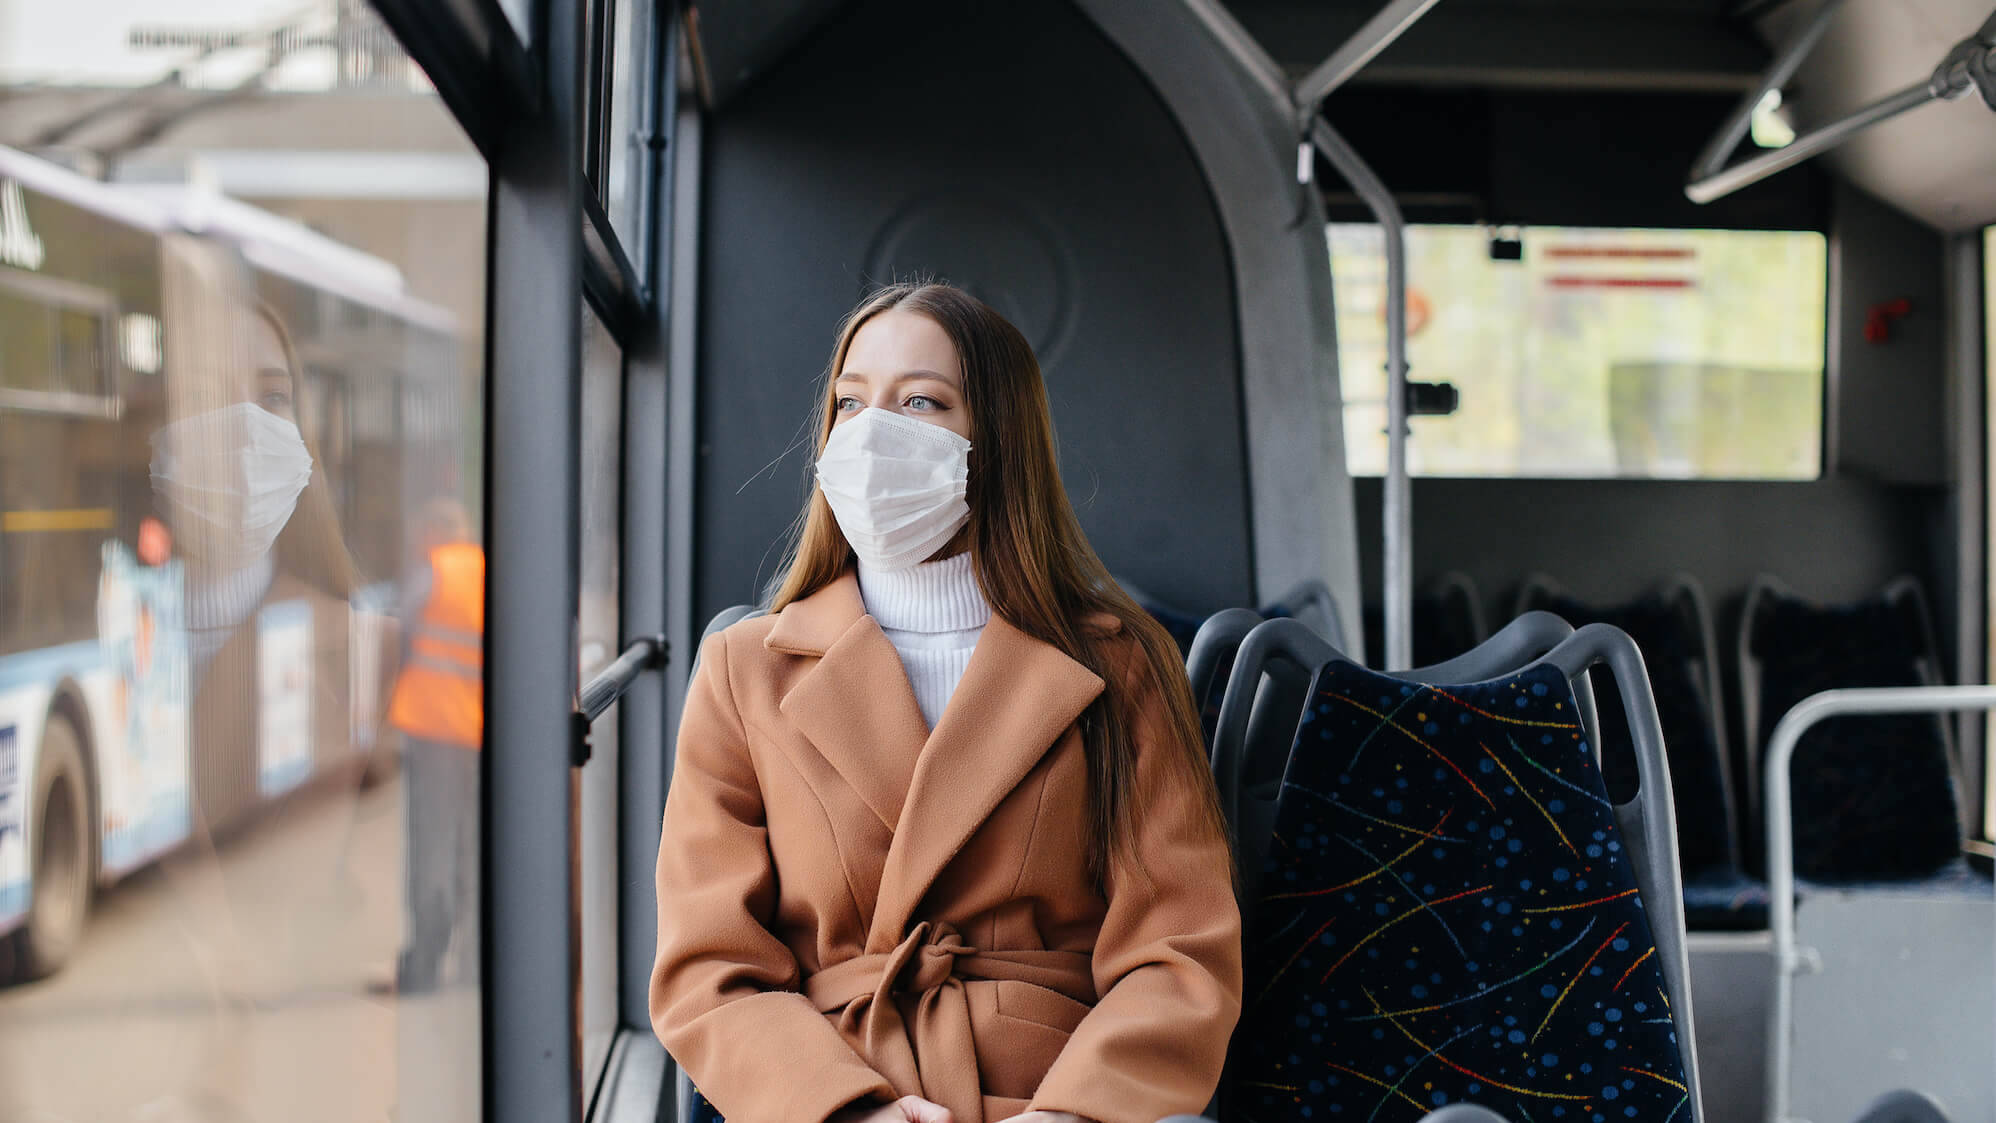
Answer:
[(62, 878)]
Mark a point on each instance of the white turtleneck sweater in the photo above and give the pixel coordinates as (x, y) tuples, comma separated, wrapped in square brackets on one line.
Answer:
[(932, 613)]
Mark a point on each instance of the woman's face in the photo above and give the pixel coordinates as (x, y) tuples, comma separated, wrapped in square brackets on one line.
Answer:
[(904, 362)]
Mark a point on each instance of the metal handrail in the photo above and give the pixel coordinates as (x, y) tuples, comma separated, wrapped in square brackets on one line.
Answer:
[(1970, 66), (612, 681), (1378, 33), (1396, 505), (1303, 101), (1712, 159), (1790, 959)]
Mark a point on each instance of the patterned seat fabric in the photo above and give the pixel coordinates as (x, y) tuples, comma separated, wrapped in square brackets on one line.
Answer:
[(1874, 796), (1447, 915), (702, 1111)]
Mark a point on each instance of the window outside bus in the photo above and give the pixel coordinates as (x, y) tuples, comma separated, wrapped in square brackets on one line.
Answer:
[(1592, 353), (240, 414)]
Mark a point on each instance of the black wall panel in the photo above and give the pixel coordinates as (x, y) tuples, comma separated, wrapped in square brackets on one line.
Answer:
[(1008, 147), (1887, 410)]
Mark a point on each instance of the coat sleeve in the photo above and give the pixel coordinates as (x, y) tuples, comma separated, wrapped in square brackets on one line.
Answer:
[(724, 996), (1168, 960)]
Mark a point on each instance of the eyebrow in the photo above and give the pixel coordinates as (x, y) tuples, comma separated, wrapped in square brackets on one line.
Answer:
[(904, 376)]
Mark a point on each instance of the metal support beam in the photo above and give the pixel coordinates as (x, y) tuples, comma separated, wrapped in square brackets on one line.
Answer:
[(1968, 418), (1397, 559), (1379, 32), (1712, 158), (1394, 19), (533, 345), (1748, 172)]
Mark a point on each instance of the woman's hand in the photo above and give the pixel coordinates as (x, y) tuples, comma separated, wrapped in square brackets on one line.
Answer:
[(907, 1109), (1047, 1117)]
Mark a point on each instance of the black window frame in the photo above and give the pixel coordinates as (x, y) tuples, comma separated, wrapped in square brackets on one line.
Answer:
[(537, 107)]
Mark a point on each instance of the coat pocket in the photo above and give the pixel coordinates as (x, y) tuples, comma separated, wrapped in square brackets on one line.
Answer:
[(1031, 1002), (1021, 1032)]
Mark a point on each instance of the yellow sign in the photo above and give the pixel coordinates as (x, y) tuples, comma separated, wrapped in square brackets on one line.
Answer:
[(30, 522)]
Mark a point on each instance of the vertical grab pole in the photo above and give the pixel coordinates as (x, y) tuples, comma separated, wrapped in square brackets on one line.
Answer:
[(1397, 561)]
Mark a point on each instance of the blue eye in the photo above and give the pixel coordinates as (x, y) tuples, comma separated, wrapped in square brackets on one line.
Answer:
[(847, 405), (924, 402)]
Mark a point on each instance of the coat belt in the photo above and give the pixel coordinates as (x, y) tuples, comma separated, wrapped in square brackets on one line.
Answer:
[(931, 1052)]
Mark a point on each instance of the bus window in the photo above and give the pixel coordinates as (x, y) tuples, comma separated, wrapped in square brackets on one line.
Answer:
[(27, 345), (1584, 352), (241, 573), (80, 366)]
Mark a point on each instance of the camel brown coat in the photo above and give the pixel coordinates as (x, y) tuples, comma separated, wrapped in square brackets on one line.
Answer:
[(851, 905)]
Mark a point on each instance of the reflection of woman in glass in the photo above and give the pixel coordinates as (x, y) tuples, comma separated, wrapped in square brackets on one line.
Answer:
[(237, 486), (268, 575), (267, 581)]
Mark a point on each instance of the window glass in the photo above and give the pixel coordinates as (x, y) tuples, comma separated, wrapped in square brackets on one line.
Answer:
[(80, 349), (597, 619), (241, 579), (1592, 352), (27, 342), (623, 187)]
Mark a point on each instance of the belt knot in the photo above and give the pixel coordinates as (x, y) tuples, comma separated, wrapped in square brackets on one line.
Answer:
[(925, 960)]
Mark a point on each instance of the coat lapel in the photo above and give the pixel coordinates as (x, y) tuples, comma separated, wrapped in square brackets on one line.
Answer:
[(855, 706), (1017, 697)]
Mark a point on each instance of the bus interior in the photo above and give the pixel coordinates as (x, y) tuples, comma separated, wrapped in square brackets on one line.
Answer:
[(1378, 335)]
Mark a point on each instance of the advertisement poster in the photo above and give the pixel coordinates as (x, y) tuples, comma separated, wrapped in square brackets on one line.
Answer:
[(143, 747), (284, 696), (13, 847)]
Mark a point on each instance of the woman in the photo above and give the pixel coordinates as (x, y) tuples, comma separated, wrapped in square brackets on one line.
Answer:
[(268, 578), (940, 843), (266, 564)]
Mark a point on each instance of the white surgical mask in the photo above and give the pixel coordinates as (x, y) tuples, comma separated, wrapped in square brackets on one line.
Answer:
[(896, 485), (229, 479)]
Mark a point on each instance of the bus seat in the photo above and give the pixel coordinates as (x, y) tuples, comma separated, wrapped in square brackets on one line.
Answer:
[(1251, 741), (1448, 618), (1903, 1106), (1875, 798), (722, 620), (693, 1107), (1464, 1113), (1452, 908), (1183, 626), (727, 618), (1210, 658), (1476, 1113), (1672, 625), (1311, 602)]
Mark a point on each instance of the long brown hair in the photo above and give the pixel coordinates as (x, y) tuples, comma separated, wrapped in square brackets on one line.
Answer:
[(310, 547), (1033, 564)]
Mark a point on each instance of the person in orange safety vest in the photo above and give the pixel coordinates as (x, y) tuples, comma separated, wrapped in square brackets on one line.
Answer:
[(438, 708)]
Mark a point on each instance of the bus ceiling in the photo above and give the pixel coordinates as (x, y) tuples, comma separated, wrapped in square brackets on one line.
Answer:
[(1681, 45), (1848, 79)]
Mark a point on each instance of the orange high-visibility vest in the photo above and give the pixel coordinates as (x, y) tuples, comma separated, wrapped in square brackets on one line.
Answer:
[(438, 695)]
